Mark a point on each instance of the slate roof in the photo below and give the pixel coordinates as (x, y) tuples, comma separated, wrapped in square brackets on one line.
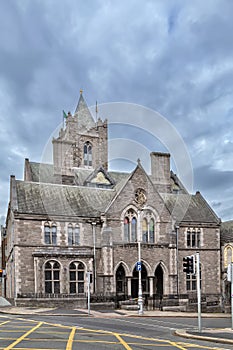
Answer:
[(46, 195), (189, 208), (42, 172), (61, 200), (227, 232)]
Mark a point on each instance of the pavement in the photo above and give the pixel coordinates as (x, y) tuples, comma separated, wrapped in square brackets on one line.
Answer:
[(218, 335)]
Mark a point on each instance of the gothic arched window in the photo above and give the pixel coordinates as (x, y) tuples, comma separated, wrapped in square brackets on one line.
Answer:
[(52, 277), (87, 154), (148, 227), (77, 275), (130, 226)]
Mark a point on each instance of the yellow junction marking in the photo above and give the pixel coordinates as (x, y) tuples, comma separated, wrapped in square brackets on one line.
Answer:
[(71, 338), (23, 336), (177, 345), (30, 348), (126, 346), (1, 324)]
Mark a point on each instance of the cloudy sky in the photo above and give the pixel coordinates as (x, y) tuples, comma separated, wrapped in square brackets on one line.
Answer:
[(174, 57)]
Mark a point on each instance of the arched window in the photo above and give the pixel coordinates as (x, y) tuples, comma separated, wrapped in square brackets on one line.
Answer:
[(50, 233), (130, 226), (77, 274), (52, 277), (73, 235), (148, 228), (87, 154)]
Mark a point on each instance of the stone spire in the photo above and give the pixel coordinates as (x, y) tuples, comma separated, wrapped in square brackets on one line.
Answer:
[(83, 113)]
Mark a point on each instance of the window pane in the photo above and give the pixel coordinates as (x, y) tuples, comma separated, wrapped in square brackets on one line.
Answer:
[(152, 230), (193, 239), (80, 275), (81, 287), (48, 265), (134, 230), (72, 275), (48, 287), (81, 266), (188, 238), (56, 265), (77, 235), (57, 287), (72, 266), (72, 287), (47, 238), (126, 229), (48, 275), (144, 231), (56, 275)]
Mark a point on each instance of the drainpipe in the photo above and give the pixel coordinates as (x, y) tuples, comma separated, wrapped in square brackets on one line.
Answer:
[(94, 252)]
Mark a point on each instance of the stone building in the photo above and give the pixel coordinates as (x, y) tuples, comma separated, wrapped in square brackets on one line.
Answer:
[(75, 216), (227, 259)]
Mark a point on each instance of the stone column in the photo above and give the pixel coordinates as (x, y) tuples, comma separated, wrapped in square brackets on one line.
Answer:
[(129, 286), (151, 286)]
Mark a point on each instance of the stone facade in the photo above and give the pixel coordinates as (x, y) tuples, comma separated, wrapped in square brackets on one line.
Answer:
[(74, 216)]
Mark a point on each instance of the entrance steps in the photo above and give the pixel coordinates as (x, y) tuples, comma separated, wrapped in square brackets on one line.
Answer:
[(131, 304)]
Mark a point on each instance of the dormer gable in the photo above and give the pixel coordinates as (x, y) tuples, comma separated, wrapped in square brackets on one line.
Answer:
[(99, 178)]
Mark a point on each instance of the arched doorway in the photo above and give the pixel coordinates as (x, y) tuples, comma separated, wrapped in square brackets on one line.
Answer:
[(134, 282), (120, 280), (159, 280)]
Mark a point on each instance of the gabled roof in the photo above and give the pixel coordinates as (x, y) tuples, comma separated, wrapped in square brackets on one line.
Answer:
[(190, 208), (83, 113), (99, 177)]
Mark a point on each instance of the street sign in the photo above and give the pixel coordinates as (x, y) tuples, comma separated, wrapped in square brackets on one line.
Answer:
[(139, 266)]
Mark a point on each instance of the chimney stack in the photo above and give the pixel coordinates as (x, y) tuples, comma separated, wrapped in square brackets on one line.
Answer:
[(160, 171)]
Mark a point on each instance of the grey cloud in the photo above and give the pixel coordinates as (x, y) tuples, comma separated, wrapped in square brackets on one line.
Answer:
[(174, 57)]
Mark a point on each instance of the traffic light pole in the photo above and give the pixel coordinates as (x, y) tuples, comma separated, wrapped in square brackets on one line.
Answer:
[(198, 291)]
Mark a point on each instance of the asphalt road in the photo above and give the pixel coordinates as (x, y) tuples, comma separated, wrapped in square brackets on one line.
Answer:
[(88, 333)]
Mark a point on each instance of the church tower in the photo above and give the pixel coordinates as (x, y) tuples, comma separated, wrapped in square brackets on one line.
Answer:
[(83, 142)]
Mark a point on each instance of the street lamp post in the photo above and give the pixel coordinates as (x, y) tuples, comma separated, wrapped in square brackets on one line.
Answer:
[(140, 299), (94, 253)]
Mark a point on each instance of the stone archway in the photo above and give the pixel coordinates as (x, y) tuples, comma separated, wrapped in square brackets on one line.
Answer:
[(134, 282), (120, 280), (158, 288)]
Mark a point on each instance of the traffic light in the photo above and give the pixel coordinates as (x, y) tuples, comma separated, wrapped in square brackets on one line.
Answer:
[(188, 264)]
